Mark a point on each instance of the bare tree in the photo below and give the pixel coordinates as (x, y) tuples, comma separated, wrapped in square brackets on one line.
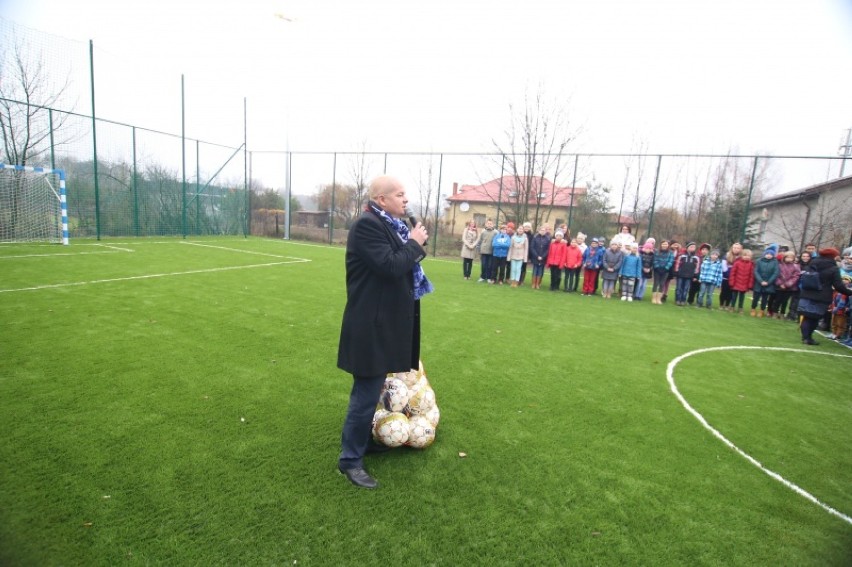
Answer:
[(534, 150), (359, 174), (823, 221), (27, 93), (427, 186)]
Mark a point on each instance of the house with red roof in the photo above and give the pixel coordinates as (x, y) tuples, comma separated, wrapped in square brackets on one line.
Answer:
[(511, 199)]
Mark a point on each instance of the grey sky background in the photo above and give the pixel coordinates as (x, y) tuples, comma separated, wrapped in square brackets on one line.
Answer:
[(758, 76)]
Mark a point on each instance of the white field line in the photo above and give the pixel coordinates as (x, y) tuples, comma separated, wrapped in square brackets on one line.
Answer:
[(164, 275), (110, 250), (233, 249), (798, 490)]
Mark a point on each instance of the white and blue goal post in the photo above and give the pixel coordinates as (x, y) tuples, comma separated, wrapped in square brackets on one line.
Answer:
[(33, 204)]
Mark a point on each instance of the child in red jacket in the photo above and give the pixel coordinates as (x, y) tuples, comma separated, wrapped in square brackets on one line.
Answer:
[(741, 279)]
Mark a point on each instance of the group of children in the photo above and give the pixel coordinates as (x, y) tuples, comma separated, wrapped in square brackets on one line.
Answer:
[(625, 269)]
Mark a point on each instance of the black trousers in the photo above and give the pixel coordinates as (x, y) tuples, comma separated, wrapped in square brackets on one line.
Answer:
[(358, 424)]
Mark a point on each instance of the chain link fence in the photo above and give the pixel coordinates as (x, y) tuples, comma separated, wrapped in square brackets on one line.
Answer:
[(129, 180)]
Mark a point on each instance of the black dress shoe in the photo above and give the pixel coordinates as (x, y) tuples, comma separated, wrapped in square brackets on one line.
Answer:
[(359, 477), (809, 342)]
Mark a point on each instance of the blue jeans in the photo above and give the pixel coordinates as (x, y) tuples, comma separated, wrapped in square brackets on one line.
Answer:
[(357, 428), (706, 290), (639, 291), (682, 290)]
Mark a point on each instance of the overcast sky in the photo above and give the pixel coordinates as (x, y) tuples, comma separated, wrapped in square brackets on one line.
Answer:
[(679, 76)]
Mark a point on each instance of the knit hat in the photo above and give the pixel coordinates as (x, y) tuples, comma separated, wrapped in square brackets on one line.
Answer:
[(829, 253), (716, 252), (771, 249), (688, 244), (510, 225), (559, 233), (847, 251), (705, 245), (649, 245)]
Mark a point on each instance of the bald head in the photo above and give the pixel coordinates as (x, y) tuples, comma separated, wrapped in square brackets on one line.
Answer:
[(389, 194), (384, 185)]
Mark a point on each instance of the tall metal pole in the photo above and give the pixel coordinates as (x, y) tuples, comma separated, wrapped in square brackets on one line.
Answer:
[(95, 143), (135, 187), (183, 156), (246, 177), (197, 187), (654, 196), (748, 202), (437, 205), (331, 210), (573, 185), (846, 151), (500, 191), (289, 216)]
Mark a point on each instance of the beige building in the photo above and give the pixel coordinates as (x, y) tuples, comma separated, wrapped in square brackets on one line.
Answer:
[(501, 199), (821, 214)]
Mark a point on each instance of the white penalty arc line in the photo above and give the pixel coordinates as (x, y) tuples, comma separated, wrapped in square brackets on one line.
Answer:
[(151, 276), (802, 492)]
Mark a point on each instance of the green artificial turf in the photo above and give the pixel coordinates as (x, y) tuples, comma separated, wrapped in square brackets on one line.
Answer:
[(171, 403)]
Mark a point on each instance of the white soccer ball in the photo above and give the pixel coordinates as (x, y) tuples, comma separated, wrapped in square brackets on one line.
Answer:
[(421, 432), (434, 416), (391, 430), (421, 398), (380, 413), (394, 394), (409, 378)]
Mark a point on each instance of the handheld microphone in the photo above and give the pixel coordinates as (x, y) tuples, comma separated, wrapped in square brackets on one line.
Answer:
[(413, 221), (410, 214)]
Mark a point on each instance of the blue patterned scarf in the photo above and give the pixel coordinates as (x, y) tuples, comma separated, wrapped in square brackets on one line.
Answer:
[(422, 285)]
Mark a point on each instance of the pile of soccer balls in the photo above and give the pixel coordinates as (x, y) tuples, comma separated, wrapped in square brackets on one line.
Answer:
[(407, 413)]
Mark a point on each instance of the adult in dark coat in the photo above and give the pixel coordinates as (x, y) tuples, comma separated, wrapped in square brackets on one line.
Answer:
[(814, 303), (381, 322)]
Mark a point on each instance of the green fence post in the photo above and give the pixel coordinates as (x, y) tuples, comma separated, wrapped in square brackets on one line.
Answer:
[(135, 187), (95, 142), (654, 196), (331, 210), (748, 202), (183, 155)]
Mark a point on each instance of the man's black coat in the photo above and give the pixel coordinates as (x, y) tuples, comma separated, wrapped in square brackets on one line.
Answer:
[(381, 321)]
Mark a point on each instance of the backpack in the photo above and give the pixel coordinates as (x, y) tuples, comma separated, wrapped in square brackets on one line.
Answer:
[(809, 280)]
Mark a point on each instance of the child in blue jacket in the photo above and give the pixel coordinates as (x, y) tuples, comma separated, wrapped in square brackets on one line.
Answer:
[(710, 278), (631, 270), (500, 244)]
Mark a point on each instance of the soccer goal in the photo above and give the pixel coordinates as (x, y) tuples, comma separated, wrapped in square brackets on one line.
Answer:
[(32, 204)]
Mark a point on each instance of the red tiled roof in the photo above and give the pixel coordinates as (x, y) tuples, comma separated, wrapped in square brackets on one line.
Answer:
[(490, 192)]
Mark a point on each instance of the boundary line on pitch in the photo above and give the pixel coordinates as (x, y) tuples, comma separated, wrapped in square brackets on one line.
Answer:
[(163, 275), (716, 433), (111, 250)]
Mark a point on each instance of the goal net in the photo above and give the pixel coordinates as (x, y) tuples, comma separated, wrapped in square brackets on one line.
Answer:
[(32, 204)]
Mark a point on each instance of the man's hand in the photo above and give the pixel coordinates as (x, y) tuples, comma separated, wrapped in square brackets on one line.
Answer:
[(419, 234)]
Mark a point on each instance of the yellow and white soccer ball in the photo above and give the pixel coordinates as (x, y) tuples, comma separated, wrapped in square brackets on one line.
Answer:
[(408, 378), (380, 413), (392, 429), (434, 416), (395, 394), (421, 398), (421, 432)]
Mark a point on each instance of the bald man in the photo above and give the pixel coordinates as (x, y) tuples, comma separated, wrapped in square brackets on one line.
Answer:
[(381, 322)]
